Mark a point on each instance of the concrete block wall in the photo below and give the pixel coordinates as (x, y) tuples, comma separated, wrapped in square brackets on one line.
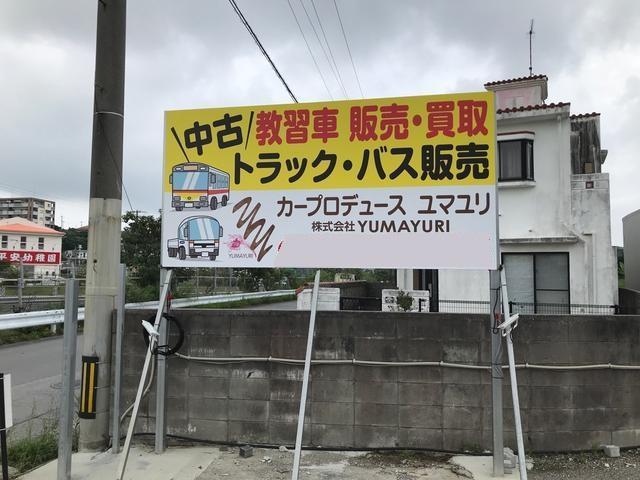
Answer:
[(419, 407)]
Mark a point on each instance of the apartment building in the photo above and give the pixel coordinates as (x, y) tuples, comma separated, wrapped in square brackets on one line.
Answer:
[(36, 210)]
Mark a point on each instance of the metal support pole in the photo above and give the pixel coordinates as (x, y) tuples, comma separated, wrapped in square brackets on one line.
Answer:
[(516, 408), (161, 378), (3, 432), (105, 209), (117, 369), (496, 376), (65, 440), (514, 381), (305, 378), (20, 286), (143, 377)]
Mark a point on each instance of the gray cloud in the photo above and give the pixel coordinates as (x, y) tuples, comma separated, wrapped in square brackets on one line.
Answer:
[(197, 54)]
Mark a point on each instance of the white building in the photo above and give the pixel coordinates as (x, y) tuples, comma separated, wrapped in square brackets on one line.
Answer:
[(555, 229), (38, 247)]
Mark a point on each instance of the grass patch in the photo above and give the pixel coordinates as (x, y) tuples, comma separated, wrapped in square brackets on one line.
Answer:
[(248, 302), (33, 333), (26, 334), (28, 453)]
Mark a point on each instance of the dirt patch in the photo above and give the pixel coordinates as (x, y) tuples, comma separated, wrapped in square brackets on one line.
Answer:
[(315, 465)]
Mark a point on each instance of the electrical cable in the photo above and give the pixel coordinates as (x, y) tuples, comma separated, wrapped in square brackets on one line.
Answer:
[(372, 363), (348, 449), (262, 49), (495, 328), (313, 4), (166, 350), (309, 49), (144, 393), (324, 50), (272, 446), (344, 35)]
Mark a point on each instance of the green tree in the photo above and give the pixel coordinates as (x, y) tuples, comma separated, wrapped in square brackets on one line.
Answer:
[(7, 270), (141, 247), (74, 238), (404, 301), (255, 279)]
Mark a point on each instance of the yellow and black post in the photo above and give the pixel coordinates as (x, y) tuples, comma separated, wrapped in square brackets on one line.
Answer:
[(88, 387)]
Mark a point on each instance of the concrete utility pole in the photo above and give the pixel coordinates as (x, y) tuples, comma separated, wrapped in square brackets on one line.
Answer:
[(105, 210)]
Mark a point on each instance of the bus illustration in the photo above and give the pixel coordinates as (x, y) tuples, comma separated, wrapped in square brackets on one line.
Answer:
[(198, 236), (198, 185)]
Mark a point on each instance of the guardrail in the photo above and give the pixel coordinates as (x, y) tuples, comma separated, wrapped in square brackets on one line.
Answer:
[(36, 299), (50, 317)]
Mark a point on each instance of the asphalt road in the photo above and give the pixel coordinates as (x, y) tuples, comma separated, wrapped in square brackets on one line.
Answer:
[(36, 375), (274, 306), (36, 370)]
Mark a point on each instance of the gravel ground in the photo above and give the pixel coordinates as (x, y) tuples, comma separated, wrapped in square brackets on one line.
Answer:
[(589, 465), (276, 465)]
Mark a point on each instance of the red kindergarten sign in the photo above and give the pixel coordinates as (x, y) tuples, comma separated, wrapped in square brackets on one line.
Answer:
[(29, 257)]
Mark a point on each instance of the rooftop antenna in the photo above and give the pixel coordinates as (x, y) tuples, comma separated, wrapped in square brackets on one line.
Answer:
[(531, 32)]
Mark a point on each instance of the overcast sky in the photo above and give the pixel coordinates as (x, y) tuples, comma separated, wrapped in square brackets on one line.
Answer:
[(195, 54)]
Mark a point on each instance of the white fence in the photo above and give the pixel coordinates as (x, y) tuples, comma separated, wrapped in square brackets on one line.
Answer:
[(50, 317)]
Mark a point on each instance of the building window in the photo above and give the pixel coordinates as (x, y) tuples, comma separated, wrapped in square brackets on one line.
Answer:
[(538, 282), (40, 243), (23, 242), (5, 241), (515, 159)]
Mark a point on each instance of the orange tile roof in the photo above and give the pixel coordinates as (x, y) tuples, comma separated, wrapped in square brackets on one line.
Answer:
[(22, 228), (533, 107), (519, 79), (584, 115)]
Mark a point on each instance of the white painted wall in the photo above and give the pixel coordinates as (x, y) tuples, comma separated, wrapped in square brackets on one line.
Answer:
[(519, 97), (540, 209), (51, 243), (591, 214)]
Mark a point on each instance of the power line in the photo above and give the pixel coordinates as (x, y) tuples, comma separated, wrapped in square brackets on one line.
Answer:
[(264, 52), (309, 49), (10, 189), (324, 50), (344, 35), (113, 158), (313, 4)]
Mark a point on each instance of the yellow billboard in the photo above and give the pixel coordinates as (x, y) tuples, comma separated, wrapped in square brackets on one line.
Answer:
[(298, 168)]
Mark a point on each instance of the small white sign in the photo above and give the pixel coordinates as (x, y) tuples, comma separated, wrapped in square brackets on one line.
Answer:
[(328, 299), (344, 277), (420, 301), (8, 412)]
